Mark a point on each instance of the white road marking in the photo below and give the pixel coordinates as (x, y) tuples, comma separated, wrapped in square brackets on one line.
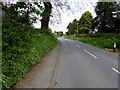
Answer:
[(90, 54), (77, 45), (116, 70)]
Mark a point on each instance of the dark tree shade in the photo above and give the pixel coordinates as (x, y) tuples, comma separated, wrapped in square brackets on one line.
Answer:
[(46, 15), (107, 18), (22, 12)]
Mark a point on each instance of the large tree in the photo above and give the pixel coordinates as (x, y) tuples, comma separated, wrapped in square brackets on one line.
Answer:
[(85, 22), (107, 18), (27, 13), (72, 27), (23, 12), (46, 15)]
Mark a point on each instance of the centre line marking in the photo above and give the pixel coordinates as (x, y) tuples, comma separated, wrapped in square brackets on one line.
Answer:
[(77, 45), (90, 54), (116, 70)]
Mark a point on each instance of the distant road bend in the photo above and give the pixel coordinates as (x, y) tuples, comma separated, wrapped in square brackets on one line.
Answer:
[(73, 64)]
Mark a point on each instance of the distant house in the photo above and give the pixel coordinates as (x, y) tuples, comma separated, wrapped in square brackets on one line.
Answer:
[(3, 9)]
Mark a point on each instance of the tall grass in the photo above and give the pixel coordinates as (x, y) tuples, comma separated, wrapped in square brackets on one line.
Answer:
[(23, 47), (100, 40)]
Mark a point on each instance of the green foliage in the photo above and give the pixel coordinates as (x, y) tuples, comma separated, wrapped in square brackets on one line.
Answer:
[(107, 18), (49, 30), (23, 47), (81, 35), (24, 12), (85, 22), (59, 33), (72, 27), (100, 40), (84, 30)]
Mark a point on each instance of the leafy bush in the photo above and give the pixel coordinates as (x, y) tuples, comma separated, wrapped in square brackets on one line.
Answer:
[(23, 47), (81, 35), (84, 30), (101, 40), (107, 35)]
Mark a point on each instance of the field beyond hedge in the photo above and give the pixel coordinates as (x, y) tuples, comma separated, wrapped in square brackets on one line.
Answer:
[(100, 40), (22, 47)]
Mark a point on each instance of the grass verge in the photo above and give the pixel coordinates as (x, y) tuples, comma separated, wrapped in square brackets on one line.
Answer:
[(101, 40), (22, 48)]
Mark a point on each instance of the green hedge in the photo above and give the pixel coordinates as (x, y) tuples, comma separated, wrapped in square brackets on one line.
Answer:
[(23, 47), (101, 40)]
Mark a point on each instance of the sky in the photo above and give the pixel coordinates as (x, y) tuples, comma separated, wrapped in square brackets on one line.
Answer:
[(66, 11), (73, 9)]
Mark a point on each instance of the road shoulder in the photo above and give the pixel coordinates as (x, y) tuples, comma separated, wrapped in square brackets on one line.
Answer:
[(40, 75)]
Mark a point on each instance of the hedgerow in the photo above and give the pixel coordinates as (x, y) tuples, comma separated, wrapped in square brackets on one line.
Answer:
[(22, 47), (100, 40)]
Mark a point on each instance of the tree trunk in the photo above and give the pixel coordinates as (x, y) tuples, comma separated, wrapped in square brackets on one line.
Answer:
[(46, 15)]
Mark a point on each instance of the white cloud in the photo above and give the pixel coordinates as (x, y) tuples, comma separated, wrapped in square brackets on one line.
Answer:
[(68, 14), (77, 8)]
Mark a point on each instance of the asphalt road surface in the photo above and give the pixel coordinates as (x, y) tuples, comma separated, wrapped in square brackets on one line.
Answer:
[(73, 64)]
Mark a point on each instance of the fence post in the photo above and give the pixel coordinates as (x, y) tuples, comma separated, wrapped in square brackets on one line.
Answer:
[(114, 47)]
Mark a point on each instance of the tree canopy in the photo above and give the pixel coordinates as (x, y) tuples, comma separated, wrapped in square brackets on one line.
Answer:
[(85, 22), (27, 13), (23, 12), (72, 27), (107, 18), (83, 25), (59, 33)]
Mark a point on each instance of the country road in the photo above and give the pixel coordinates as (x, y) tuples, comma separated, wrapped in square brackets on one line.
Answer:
[(73, 64)]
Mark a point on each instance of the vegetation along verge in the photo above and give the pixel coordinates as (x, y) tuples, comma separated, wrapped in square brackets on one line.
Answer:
[(102, 31), (22, 47), (100, 40)]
